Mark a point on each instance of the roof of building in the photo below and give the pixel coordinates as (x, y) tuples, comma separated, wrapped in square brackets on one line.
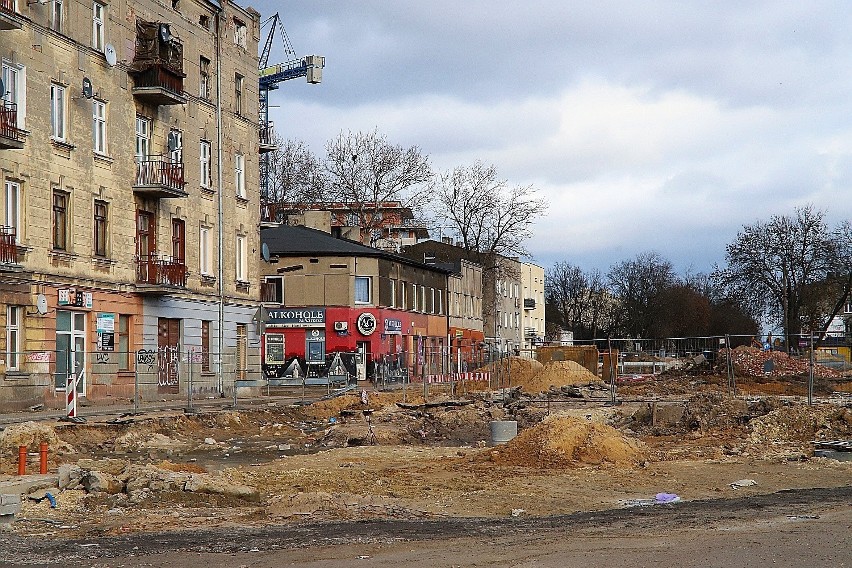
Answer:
[(289, 241)]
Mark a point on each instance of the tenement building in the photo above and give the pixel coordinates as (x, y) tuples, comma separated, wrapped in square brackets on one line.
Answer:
[(128, 152)]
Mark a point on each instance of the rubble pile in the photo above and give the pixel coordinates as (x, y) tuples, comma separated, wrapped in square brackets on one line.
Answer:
[(513, 371), (559, 374), (754, 362), (799, 425), (562, 441)]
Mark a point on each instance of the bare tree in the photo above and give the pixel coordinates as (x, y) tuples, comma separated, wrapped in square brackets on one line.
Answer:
[(579, 300), (296, 179), (489, 216), (639, 286), (775, 265), (365, 171)]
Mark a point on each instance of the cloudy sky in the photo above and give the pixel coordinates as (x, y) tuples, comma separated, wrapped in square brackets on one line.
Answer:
[(648, 126)]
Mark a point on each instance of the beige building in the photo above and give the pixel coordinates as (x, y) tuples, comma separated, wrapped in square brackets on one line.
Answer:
[(129, 158), (532, 284)]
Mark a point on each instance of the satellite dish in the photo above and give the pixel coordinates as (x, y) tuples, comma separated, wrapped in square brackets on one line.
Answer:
[(165, 33), (87, 88), (172, 141), (264, 252), (41, 304), (109, 53)]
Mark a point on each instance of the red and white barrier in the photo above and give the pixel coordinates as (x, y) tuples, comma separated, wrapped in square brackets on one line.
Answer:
[(71, 395)]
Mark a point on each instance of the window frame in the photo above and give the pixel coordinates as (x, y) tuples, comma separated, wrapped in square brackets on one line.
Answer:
[(240, 33), (98, 25), (12, 207), (56, 15), (204, 78), (143, 137), (369, 282), (205, 160), (241, 259), (239, 85), (59, 218), (204, 267), (99, 127), (100, 221), (123, 342), (14, 78), (58, 112), (14, 336), (240, 174)]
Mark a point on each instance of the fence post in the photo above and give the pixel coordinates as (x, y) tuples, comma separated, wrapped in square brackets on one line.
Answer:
[(189, 353), (811, 372)]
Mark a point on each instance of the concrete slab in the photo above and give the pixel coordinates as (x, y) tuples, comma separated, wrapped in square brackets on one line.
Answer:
[(28, 483)]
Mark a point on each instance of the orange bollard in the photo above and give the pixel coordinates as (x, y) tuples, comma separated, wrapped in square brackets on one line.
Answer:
[(42, 458), (22, 460)]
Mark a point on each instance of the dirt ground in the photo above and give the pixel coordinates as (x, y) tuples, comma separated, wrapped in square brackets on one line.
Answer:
[(332, 462)]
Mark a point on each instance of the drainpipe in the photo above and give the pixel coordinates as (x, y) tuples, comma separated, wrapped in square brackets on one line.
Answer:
[(219, 204)]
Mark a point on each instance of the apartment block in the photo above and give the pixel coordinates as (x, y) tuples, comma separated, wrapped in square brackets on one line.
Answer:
[(129, 158)]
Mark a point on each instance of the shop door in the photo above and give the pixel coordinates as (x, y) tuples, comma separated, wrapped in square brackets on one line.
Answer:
[(168, 355), (71, 349), (364, 357)]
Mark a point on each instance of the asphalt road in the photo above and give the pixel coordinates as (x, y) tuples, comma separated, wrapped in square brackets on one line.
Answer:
[(801, 528)]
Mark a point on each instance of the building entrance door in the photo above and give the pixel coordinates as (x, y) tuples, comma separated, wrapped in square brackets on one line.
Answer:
[(363, 358), (71, 349), (168, 355)]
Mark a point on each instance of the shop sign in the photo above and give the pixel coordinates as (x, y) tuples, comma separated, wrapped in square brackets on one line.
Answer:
[(106, 341), (275, 349), (73, 298), (393, 326), (106, 322), (366, 323), (303, 317)]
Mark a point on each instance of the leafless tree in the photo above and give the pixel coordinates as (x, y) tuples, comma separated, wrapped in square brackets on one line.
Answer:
[(296, 179), (489, 216), (776, 266), (577, 300), (639, 285), (364, 171)]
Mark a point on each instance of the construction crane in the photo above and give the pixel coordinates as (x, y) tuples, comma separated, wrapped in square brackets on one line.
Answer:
[(270, 76)]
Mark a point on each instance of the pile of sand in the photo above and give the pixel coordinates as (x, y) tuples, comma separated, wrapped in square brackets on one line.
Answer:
[(512, 371), (558, 374), (565, 441)]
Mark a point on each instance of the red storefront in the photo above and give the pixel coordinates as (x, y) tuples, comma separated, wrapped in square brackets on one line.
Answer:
[(311, 336)]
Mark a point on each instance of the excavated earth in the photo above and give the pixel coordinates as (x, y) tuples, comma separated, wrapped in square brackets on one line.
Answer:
[(409, 459)]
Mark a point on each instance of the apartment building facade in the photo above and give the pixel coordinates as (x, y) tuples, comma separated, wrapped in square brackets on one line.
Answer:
[(532, 286), (129, 161)]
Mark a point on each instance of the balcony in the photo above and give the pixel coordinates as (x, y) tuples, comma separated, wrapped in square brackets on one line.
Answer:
[(159, 85), (157, 176), (8, 17), (160, 274), (8, 250), (529, 303), (266, 139), (11, 137)]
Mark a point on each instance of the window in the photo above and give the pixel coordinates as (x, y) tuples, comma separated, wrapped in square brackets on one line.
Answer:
[(98, 26), (204, 78), (362, 289), (414, 297), (56, 15), (60, 220), (14, 317), (239, 175), (100, 228), (240, 32), (205, 346), (432, 300), (175, 146), (238, 94), (392, 293), (204, 21), (143, 138), (204, 157), (178, 240), (57, 112), (204, 251), (423, 307), (14, 81), (441, 302), (12, 218), (402, 298), (241, 259), (124, 355), (99, 126)]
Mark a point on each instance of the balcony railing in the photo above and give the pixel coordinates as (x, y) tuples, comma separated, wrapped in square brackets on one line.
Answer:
[(160, 85), (160, 270), (9, 131), (266, 138), (8, 245), (160, 177), (8, 19)]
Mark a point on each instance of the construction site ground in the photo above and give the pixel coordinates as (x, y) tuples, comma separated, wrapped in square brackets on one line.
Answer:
[(286, 477)]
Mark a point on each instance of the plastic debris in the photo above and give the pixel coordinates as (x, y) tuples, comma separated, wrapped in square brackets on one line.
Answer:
[(666, 498), (743, 483)]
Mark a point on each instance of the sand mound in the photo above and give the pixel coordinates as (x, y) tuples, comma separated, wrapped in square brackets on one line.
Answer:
[(513, 371), (565, 441), (31, 434), (559, 374)]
